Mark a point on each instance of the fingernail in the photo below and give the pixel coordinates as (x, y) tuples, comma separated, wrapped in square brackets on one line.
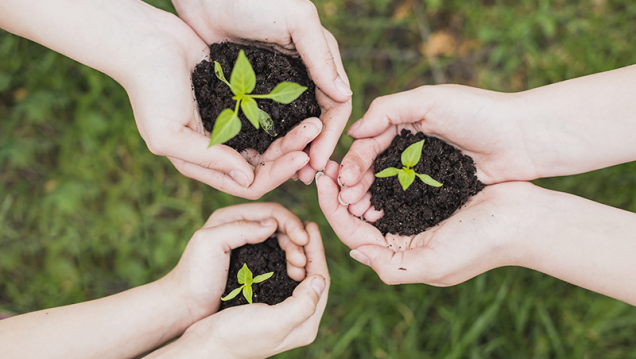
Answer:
[(318, 175), (267, 222), (295, 177), (310, 181), (319, 126), (342, 87), (360, 257), (318, 284), (342, 202), (340, 183), (353, 127), (239, 177)]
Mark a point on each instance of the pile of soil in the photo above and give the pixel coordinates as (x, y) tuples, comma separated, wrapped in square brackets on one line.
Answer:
[(422, 206), (271, 68), (261, 258)]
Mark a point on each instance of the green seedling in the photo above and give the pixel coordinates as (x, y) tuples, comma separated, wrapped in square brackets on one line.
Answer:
[(242, 83), (245, 278), (406, 175)]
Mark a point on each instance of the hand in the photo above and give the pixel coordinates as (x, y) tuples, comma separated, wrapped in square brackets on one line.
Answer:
[(473, 120), (259, 330), (201, 274), (290, 26), (160, 91), (477, 238)]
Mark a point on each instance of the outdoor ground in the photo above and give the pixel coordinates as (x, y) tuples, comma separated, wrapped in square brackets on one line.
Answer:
[(86, 210)]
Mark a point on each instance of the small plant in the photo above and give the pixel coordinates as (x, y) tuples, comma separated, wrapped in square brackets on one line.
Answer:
[(406, 175), (245, 278), (242, 83)]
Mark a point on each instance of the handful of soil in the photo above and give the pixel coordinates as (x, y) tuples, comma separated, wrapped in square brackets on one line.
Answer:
[(422, 206), (271, 68), (260, 258)]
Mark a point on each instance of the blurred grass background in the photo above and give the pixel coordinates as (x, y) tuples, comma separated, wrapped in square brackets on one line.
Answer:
[(86, 210)]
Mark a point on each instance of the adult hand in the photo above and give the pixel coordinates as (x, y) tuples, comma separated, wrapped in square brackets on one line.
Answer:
[(475, 239), (473, 120), (201, 274), (290, 26), (258, 330)]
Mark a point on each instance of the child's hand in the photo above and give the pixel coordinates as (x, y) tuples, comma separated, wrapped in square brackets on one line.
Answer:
[(478, 122), (259, 330), (201, 274)]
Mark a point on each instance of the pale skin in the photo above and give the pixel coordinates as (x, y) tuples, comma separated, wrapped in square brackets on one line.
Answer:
[(565, 128), (152, 53), (136, 321)]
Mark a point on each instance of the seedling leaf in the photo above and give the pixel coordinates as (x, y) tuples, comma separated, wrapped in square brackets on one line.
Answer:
[(242, 275), (263, 277), (219, 73), (227, 125), (285, 92), (251, 111), (406, 178), (247, 293), (428, 180), (232, 294), (411, 155), (388, 172), (243, 78), (267, 122)]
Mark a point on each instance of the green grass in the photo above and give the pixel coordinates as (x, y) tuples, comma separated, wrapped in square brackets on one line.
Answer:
[(86, 210)]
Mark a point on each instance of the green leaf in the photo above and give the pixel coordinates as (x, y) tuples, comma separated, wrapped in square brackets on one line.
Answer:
[(247, 293), (263, 277), (406, 177), (251, 110), (227, 125), (411, 155), (266, 122), (388, 172), (428, 180), (243, 79), (219, 73), (285, 92), (244, 275), (232, 294)]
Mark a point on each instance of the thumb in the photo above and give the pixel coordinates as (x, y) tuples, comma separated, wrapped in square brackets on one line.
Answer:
[(298, 308), (236, 234)]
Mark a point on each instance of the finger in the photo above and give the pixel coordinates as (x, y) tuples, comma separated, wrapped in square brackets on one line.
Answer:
[(295, 140), (386, 111), (372, 215), (359, 159), (288, 223), (295, 257), (359, 208), (310, 40), (238, 233), (354, 194), (352, 231), (332, 169), (307, 174), (192, 147)]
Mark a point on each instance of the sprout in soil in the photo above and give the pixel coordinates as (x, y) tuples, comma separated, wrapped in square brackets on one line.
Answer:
[(406, 175), (242, 83), (245, 278)]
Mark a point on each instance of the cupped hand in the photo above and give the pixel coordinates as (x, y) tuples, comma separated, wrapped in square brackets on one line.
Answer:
[(158, 82), (259, 330), (290, 26), (477, 238), (201, 274), (478, 122)]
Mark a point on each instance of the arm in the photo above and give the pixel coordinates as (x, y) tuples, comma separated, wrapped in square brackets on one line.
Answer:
[(514, 223), (138, 320), (152, 53)]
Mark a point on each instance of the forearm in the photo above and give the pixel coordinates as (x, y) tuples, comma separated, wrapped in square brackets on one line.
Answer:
[(579, 125), (119, 326), (582, 242), (105, 35)]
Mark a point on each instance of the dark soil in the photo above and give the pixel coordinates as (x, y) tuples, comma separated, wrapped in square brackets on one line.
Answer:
[(261, 258), (422, 206), (271, 68)]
